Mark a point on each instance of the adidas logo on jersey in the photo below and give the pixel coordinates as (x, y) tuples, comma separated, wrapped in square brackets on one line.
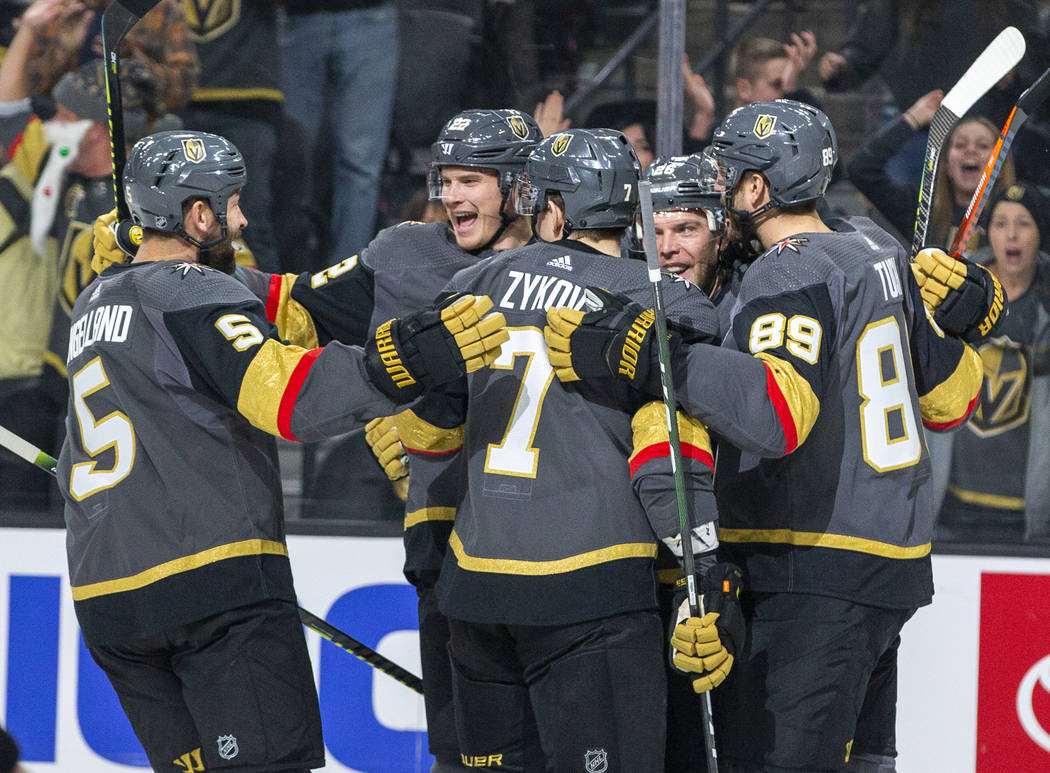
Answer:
[(564, 263)]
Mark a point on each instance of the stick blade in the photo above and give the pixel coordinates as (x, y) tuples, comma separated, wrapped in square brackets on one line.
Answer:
[(135, 8), (1001, 55)]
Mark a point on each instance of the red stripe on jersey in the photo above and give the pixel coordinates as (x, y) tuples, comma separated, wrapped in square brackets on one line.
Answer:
[(291, 393), (273, 297), (941, 426), (657, 450), (780, 405)]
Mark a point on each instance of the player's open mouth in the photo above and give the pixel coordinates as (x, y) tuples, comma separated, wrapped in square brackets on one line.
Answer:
[(674, 268), (463, 222)]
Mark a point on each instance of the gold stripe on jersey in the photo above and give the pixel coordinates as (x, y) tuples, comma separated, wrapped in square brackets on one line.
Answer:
[(998, 501), (950, 402), (649, 425), (421, 436), (224, 95), (522, 567), (669, 576), (265, 383), (820, 540), (54, 361), (799, 398), (249, 547), (429, 514), (294, 323)]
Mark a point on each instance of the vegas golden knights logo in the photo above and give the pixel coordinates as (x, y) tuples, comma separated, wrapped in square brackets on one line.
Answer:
[(1006, 394), (764, 125), (561, 143), (517, 125), (208, 19), (193, 150)]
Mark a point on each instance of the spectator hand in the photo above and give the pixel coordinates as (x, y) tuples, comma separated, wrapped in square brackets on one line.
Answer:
[(382, 437), (921, 113), (41, 13), (965, 299), (703, 103), (434, 347), (704, 647), (549, 115), (831, 66), (799, 52)]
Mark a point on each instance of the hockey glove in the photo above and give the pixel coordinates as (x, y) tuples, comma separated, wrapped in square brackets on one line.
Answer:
[(382, 437), (966, 300), (705, 646), (113, 242), (617, 339), (433, 347)]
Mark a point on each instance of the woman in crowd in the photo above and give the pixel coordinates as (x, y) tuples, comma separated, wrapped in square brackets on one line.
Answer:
[(961, 163)]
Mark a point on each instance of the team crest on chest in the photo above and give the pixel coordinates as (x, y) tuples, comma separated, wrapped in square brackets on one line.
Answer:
[(764, 125), (561, 143), (208, 19), (193, 149), (517, 125)]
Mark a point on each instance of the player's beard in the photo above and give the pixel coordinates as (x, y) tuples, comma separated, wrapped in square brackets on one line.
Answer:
[(222, 256)]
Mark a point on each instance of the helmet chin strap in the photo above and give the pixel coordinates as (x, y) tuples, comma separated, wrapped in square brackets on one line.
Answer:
[(505, 221), (181, 231)]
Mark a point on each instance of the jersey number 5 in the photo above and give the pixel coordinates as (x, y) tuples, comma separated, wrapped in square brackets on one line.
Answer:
[(97, 435)]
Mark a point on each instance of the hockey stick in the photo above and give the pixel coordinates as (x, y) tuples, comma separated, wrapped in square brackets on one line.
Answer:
[(652, 263), (993, 63), (361, 651), (1026, 104), (26, 450), (117, 20)]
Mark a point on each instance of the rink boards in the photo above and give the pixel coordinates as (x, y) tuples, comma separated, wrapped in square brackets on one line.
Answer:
[(974, 673)]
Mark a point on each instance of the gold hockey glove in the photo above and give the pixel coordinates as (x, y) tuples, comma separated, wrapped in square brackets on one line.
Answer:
[(434, 347), (113, 242), (704, 647), (382, 437), (615, 340), (965, 299)]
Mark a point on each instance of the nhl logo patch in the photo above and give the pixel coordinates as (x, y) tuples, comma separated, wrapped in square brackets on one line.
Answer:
[(764, 125), (227, 746), (193, 149), (561, 143), (517, 125), (596, 761)]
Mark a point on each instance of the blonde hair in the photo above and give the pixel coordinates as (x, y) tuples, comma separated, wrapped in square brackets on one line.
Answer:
[(941, 230)]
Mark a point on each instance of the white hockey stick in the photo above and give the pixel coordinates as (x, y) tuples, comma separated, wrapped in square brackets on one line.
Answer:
[(26, 450), (1001, 55)]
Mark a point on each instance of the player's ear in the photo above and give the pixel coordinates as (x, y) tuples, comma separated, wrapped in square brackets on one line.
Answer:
[(198, 219), (743, 90)]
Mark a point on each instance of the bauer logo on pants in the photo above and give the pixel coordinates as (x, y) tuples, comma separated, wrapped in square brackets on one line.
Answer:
[(764, 125), (193, 149)]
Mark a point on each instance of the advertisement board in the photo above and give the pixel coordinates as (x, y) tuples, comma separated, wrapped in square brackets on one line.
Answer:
[(974, 671)]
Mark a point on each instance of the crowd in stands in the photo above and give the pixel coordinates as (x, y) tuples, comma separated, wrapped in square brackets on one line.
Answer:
[(331, 101)]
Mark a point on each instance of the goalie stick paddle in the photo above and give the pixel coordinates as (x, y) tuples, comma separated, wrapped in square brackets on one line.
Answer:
[(652, 263), (1027, 103), (26, 450), (993, 63)]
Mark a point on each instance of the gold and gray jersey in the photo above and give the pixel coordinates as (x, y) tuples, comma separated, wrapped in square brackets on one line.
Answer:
[(548, 529), (819, 394), (169, 469)]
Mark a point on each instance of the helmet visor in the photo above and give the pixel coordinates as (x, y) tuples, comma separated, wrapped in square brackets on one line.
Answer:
[(435, 188), (527, 196)]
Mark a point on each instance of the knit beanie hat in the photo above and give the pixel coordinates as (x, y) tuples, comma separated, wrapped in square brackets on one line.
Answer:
[(83, 91), (1029, 197)]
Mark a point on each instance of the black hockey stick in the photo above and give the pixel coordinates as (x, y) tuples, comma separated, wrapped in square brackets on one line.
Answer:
[(117, 20), (349, 644), (1033, 96), (652, 263), (993, 63), (26, 450)]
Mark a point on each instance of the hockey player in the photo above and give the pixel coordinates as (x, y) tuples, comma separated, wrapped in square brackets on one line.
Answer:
[(548, 581), (822, 482), (178, 566)]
